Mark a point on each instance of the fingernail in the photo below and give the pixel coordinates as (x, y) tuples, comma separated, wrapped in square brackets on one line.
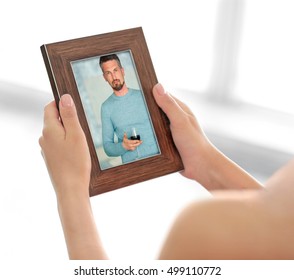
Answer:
[(66, 100), (159, 89)]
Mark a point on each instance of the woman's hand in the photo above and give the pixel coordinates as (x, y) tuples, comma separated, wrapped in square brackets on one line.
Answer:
[(188, 136), (202, 161), (65, 149)]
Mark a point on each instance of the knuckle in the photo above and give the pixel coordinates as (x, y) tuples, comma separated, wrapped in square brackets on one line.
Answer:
[(41, 142), (46, 132)]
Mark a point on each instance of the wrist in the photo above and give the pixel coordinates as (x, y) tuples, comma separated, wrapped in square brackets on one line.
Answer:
[(70, 202), (72, 192), (205, 166), (215, 170), (222, 173), (208, 173)]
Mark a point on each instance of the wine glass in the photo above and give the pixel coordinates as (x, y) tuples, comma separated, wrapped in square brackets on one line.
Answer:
[(135, 136)]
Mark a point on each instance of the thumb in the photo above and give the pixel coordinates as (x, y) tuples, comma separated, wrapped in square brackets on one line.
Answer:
[(68, 113), (168, 104)]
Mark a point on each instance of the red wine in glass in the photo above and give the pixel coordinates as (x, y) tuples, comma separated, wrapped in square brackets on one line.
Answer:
[(137, 137), (134, 135)]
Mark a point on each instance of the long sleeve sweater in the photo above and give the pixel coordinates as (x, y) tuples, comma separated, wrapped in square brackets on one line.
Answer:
[(119, 114)]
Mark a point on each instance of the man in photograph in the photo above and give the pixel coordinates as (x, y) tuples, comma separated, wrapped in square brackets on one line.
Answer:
[(126, 128)]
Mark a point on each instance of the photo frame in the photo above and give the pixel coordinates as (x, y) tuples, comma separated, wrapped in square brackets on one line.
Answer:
[(71, 67)]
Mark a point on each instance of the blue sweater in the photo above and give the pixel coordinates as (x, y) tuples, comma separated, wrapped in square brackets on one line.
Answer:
[(119, 114)]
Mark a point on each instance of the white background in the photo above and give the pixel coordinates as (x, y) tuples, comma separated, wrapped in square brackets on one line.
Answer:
[(132, 221)]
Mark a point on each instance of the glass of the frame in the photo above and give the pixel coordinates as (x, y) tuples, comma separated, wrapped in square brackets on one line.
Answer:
[(111, 117)]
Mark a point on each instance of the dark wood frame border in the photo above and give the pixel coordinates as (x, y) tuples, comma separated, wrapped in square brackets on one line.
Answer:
[(58, 57)]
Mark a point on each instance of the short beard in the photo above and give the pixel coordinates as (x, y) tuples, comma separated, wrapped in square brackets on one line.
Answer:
[(118, 86)]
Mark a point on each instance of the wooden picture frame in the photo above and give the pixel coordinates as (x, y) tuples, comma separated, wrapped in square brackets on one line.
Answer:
[(61, 60)]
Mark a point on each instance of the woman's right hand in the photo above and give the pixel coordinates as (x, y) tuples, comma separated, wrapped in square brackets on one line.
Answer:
[(202, 161), (188, 136)]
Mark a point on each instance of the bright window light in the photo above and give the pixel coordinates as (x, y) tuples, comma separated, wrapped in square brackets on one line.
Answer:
[(266, 58)]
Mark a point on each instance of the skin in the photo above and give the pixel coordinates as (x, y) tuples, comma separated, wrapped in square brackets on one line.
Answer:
[(69, 169), (243, 220), (238, 225), (114, 75)]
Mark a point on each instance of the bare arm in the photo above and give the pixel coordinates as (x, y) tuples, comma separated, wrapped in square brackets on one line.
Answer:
[(69, 168), (80, 231)]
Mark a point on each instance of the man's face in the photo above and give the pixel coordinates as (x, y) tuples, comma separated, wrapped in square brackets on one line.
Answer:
[(113, 74)]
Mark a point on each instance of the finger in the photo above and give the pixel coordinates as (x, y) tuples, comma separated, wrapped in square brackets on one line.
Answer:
[(125, 139), (51, 113), (138, 143), (68, 114), (175, 111), (135, 143), (51, 122)]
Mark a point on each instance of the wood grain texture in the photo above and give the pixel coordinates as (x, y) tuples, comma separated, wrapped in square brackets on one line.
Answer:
[(58, 57)]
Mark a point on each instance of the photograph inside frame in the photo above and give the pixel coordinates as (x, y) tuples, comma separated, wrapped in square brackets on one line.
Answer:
[(115, 108), (110, 77)]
